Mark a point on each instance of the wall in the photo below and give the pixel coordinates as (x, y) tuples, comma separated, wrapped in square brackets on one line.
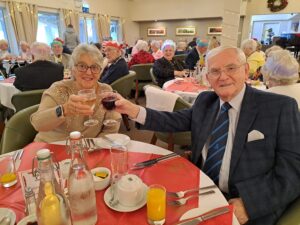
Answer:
[(145, 10), (259, 7), (201, 26)]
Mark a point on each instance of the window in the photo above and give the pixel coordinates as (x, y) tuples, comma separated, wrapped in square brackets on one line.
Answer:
[(87, 33), (3, 32), (114, 30), (48, 27)]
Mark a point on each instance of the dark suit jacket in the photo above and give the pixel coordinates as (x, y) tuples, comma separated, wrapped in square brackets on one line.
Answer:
[(264, 173), (114, 71), (192, 58), (38, 75)]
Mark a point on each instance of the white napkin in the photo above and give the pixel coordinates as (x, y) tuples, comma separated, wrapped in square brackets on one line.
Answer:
[(159, 99)]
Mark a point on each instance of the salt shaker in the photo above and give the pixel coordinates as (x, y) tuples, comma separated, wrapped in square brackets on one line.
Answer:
[(30, 201)]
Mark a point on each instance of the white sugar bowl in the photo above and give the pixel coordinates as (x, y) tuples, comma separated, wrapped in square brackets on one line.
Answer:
[(130, 190)]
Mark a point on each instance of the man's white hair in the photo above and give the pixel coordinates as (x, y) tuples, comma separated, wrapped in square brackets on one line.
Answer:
[(215, 51), (40, 51)]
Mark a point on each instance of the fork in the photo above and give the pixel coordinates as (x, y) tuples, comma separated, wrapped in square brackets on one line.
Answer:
[(90, 144), (183, 201), (181, 194)]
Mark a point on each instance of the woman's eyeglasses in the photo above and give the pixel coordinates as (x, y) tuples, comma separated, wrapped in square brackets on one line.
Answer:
[(228, 70), (83, 68)]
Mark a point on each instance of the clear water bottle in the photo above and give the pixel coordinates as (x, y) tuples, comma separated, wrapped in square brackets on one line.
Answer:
[(52, 207), (81, 188)]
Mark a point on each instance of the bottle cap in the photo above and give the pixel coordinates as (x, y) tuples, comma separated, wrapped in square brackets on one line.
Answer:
[(75, 135), (43, 153)]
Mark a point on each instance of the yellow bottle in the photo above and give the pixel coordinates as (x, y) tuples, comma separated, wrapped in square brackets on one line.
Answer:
[(50, 207)]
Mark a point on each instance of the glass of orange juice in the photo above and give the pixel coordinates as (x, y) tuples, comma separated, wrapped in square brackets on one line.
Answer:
[(156, 204), (8, 175)]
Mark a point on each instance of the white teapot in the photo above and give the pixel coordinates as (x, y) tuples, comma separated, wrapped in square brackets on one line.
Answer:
[(130, 190)]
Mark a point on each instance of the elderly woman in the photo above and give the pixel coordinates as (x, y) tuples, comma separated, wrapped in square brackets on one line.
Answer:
[(281, 73), (142, 56), (255, 59), (167, 68), (58, 56), (62, 111), (117, 66), (155, 48)]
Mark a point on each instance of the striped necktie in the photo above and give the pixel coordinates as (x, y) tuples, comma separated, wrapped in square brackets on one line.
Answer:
[(217, 144)]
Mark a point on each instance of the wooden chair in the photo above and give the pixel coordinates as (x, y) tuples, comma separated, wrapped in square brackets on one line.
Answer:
[(123, 87), (143, 77), (25, 99), (18, 131)]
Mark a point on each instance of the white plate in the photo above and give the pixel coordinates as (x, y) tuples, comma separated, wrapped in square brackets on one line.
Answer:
[(27, 219), (9, 213), (121, 208), (120, 139)]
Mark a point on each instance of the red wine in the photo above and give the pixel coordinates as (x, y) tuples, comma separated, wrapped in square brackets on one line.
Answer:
[(109, 102)]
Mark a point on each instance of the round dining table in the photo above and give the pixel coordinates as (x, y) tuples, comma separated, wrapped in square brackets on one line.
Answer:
[(176, 174), (7, 90)]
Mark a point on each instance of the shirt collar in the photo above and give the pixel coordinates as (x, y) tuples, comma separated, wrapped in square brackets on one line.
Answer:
[(236, 102)]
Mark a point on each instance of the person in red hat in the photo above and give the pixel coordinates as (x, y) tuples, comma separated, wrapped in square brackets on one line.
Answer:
[(117, 66)]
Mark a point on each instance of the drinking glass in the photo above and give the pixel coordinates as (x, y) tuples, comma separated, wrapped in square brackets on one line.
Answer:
[(90, 96), (156, 204), (119, 161), (8, 175), (108, 101)]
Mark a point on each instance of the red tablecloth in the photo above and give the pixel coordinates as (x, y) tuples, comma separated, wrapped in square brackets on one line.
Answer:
[(186, 85), (175, 174)]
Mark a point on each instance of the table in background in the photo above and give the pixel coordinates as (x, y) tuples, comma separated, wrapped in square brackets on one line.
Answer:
[(186, 88), (7, 90)]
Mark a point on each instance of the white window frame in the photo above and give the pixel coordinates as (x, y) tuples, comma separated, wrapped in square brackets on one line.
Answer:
[(52, 11), (85, 16), (12, 41), (119, 35)]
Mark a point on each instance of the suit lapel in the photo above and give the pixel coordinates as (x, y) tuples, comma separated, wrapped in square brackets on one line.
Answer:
[(247, 115)]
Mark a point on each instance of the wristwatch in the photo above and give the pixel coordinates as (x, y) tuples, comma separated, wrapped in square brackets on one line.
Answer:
[(59, 111)]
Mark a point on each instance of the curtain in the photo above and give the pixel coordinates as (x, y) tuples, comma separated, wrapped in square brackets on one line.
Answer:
[(71, 17), (103, 26), (24, 18), (122, 26)]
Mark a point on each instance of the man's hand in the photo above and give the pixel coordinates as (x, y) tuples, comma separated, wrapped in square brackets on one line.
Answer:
[(239, 210), (124, 106)]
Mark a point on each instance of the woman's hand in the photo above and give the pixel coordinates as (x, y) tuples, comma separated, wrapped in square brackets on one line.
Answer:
[(179, 73), (75, 106)]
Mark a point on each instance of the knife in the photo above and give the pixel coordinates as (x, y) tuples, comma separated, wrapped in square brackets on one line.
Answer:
[(206, 216), (154, 161)]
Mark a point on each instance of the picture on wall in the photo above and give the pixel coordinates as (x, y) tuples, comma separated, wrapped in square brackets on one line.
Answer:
[(214, 30), (185, 31), (157, 31)]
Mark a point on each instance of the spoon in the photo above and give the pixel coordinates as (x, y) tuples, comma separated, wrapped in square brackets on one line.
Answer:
[(5, 220)]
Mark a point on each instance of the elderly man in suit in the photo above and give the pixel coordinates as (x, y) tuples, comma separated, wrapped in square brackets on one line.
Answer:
[(245, 139), (197, 54), (41, 73)]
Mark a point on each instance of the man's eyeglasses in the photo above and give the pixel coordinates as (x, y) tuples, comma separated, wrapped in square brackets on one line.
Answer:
[(228, 70), (83, 68)]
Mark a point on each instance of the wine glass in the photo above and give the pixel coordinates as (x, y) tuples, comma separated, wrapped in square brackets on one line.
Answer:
[(108, 101), (90, 96)]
